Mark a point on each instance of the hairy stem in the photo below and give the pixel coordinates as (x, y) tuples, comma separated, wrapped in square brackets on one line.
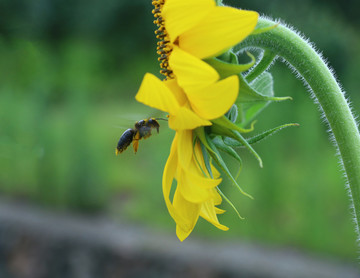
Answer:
[(286, 43)]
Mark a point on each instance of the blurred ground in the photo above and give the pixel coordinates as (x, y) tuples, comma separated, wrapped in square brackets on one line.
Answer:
[(38, 244)]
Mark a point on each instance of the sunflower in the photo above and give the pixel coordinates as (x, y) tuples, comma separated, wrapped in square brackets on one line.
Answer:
[(198, 27), (193, 94)]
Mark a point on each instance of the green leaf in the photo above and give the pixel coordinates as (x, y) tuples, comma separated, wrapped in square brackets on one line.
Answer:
[(206, 160), (255, 139), (225, 123), (233, 113), (229, 202), (219, 3), (264, 85), (233, 59), (200, 133), (249, 94), (242, 140), (264, 29), (267, 59), (214, 153), (227, 69), (219, 143), (224, 127)]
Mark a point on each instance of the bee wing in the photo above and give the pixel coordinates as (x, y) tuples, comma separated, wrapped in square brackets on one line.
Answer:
[(119, 126)]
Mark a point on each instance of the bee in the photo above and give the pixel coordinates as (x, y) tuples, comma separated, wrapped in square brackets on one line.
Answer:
[(141, 130)]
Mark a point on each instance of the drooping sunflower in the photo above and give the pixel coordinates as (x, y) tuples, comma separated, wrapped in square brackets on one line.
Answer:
[(193, 95)]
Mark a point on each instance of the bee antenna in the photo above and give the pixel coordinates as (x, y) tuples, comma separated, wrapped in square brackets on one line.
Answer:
[(161, 119)]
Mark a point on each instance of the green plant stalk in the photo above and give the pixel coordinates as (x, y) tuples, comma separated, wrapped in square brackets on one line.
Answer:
[(289, 45)]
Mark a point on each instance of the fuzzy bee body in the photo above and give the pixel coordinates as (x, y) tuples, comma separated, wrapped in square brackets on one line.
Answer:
[(144, 127), (125, 140), (141, 130)]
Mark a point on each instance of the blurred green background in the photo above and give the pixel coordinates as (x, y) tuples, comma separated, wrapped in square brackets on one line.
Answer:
[(68, 76)]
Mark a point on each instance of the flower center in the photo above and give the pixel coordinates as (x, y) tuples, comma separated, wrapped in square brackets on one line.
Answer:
[(164, 46)]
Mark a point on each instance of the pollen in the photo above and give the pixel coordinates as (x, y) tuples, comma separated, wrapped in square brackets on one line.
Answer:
[(164, 46)]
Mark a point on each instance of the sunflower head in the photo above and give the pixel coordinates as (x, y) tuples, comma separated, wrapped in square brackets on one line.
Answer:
[(164, 46)]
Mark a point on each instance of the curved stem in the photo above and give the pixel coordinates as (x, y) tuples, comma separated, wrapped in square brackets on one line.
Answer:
[(309, 64)]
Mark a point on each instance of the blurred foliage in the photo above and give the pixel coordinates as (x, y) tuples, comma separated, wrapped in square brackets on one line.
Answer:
[(68, 76)]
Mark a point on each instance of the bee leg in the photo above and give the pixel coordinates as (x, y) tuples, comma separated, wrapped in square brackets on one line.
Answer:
[(135, 145), (136, 142)]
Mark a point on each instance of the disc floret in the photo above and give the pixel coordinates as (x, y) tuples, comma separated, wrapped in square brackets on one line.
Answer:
[(164, 47)]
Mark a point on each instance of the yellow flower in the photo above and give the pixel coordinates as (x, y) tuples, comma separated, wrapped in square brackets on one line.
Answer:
[(195, 193), (194, 97), (198, 27)]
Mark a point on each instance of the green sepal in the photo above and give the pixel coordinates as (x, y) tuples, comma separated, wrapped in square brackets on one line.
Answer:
[(242, 140), (249, 94), (208, 168), (224, 131), (200, 133), (225, 123), (255, 139), (214, 153), (233, 59), (229, 202), (206, 159), (233, 113), (264, 29), (227, 69), (265, 86), (219, 143), (267, 59), (197, 160)]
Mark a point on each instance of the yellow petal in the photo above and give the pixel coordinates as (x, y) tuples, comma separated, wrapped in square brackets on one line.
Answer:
[(199, 159), (198, 155), (177, 91), (181, 233), (221, 29), (215, 172), (185, 148), (219, 211), (186, 119), (168, 177), (181, 15), (215, 100), (216, 197), (204, 181), (154, 93), (195, 188), (208, 213), (188, 211), (192, 73), (190, 190)]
